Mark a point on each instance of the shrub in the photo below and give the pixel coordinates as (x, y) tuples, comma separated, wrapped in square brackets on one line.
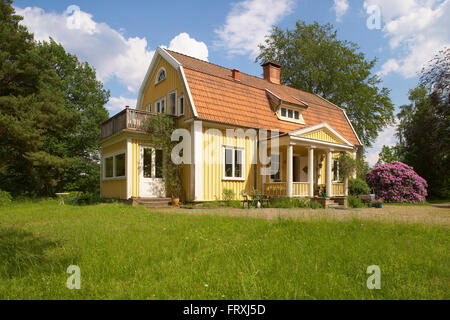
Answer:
[(354, 202), (397, 182), (315, 205), (5, 198), (228, 194), (304, 203), (357, 187)]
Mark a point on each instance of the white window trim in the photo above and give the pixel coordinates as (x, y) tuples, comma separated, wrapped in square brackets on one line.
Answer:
[(179, 104), (159, 101), (113, 155), (158, 74), (176, 99), (286, 118), (224, 177)]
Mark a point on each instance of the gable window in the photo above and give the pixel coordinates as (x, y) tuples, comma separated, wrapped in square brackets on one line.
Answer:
[(290, 114), (161, 75), (233, 163), (160, 105), (181, 106), (172, 104), (115, 166)]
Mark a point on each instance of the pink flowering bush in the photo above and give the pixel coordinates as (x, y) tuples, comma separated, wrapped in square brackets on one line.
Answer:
[(397, 182)]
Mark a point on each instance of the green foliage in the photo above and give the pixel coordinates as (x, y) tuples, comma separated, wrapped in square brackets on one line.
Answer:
[(304, 203), (51, 109), (347, 165), (355, 202), (160, 128), (315, 60), (228, 194), (389, 154), (362, 167), (357, 187), (5, 198), (315, 205)]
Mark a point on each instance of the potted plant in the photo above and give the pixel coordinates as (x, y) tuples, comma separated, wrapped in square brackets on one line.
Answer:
[(379, 204)]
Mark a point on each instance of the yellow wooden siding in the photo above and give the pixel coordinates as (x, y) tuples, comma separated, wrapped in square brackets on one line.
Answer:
[(213, 182), (172, 82), (323, 136), (116, 189), (300, 189)]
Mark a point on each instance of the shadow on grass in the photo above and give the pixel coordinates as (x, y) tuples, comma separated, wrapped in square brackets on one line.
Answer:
[(22, 252)]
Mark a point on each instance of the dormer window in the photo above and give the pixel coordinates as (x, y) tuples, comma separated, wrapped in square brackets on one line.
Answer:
[(291, 115), (161, 75)]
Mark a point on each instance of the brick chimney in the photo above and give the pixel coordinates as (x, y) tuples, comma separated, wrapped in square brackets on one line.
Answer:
[(272, 72), (235, 74)]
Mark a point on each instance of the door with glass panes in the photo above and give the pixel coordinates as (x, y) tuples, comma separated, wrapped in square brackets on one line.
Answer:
[(151, 173)]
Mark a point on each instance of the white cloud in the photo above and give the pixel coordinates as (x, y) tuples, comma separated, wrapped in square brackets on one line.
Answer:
[(248, 23), (341, 7), (385, 138), (118, 104), (183, 43), (417, 30), (112, 54)]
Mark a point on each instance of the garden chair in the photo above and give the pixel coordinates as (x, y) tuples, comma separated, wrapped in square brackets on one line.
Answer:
[(246, 200), (75, 199)]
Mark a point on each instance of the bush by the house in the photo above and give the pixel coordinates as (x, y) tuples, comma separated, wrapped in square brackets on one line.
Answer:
[(357, 187), (5, 198), (397, 182), (228, 194), (354, 202)]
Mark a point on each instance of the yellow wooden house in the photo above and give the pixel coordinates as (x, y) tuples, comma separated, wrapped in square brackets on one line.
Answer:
[(210, 101)]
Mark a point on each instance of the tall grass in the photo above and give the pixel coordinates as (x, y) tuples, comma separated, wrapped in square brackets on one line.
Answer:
[(133, 253)]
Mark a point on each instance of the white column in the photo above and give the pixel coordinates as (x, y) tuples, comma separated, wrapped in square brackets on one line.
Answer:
[(197, 161), (329, 175), (290, 172), (311, 171), (129, 168)]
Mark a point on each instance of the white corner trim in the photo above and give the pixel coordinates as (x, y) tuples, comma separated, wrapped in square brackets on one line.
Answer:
[(317, 127), (188, 91), (345, 113), (129, 167), (197, 160)]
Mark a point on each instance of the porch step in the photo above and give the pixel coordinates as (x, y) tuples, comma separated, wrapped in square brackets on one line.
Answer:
[(153, 202)]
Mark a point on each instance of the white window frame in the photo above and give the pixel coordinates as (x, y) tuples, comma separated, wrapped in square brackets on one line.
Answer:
[(159, 73), (159, 101), (179, 104), (114, 155), (175, 103), (233, 178), (287, 118)]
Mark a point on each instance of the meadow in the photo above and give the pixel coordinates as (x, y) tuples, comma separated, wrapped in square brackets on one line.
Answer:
[(129, 252)]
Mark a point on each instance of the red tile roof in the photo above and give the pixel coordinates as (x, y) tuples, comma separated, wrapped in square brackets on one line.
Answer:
[(218, 97)]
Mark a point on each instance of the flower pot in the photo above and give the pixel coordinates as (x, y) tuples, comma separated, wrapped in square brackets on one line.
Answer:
[(175, 202), (369, 204), (379, 205), (324, 194)]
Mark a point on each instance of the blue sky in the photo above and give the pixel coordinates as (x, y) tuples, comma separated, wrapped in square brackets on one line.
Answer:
[(118, 38)]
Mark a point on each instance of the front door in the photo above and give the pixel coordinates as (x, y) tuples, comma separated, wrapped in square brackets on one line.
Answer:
[(151, 173)]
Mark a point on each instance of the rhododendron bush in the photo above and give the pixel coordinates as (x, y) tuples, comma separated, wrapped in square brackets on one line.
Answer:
[(397, 182)]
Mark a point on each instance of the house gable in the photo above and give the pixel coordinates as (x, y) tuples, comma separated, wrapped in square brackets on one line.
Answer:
[(322, 132)]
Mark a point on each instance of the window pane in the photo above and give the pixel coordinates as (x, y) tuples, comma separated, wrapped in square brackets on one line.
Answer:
[(290, 114), (159, 164), (228, 162), (172, 103), (275, 165), (120, 165), (297, 115), (283, 112), (147, 163), (181, 107), (109, 167), (158, 107), (162, 76), (238, 164), (163, 106)]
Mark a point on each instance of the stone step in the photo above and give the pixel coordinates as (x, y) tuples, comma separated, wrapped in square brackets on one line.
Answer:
[(153, 202)]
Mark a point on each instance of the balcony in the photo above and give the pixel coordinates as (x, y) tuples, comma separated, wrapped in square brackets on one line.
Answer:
[(128, 119)]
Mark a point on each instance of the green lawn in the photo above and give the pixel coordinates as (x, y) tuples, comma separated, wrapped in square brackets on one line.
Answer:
[(133, 253)]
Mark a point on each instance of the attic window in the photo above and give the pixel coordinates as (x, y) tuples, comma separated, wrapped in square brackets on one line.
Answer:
[(161, 75), (291, 115)]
